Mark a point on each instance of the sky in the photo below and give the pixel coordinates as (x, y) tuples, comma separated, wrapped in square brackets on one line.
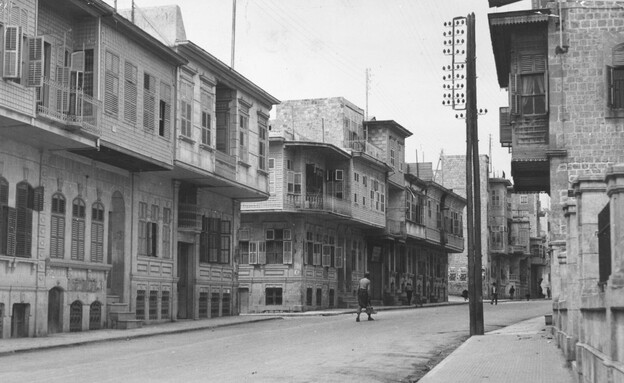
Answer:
[(300, 49)]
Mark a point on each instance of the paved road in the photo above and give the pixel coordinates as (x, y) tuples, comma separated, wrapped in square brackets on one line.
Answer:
[(397, 347)]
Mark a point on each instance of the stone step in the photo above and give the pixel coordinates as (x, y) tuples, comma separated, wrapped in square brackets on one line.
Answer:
[(129, 324)]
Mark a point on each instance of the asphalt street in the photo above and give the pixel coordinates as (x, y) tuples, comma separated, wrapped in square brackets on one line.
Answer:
[(399, 346)]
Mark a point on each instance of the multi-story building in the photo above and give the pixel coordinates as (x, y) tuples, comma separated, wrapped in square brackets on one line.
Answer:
[(562, 63), (452, 174), (337, 209), (98, 168)]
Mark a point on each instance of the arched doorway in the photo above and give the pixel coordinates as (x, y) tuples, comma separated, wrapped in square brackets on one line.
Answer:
[(116, 240), (75, 316), (55, 310)]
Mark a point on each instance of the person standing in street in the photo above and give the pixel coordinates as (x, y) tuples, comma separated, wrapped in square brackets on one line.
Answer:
[(364, 296), (512, 291), (494, 294), (409, 290)]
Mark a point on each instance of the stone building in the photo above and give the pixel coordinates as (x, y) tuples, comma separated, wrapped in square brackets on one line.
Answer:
[(98, 168), (452, 174), (561, 63), (337, 208)]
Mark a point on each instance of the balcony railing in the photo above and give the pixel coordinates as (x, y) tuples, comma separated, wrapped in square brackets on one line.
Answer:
[(366, 147), (396, 227), (70, 107), (188, 216), (318, 202)]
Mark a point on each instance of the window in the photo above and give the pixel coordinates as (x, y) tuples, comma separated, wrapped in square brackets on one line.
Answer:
[(205, 119), (222, 129), (319, 297), (615, 79), (186, 109), (140, 305), (309, 296), (148, 230), (4, 215), (78, 230), (164, 111), (528, 87), (496, 200), (309, 260), (111, 86), (153, 305), (263, 143), (243, 247), (20, 221), (215, 239), (415, 211), (271, 176), (166, 233), (57, 227), (149, 102), (278, 246), (524, 199), (604, 244), (130, 93), (164, 305), (97, 233), (243, 132), (273, 296), (294, 182)]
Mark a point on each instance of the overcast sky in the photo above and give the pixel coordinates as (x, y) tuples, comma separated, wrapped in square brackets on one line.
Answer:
[(296, 49)]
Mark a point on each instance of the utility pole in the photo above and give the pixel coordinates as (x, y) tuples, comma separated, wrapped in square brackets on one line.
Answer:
[(462, 95), (233, 32), (368, 76)]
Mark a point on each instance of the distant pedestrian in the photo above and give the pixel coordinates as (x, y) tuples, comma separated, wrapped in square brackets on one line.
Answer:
[(364, 297), (512, 291), (494, 294), (409, 290), (465, 295), (548, 292)]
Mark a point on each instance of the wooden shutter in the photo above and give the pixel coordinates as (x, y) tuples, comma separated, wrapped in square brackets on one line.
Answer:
[(546, 91), (326, 260), (38, 199), (269, 235), (610, 87), (78, 61), (262, 253), (35, 62), (339, 258), (12, 51), (514, 97), (97, 242), (11, 231), (288, 254), (253, 253)]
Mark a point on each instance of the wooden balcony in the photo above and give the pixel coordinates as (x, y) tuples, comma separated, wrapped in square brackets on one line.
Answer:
[(68, 107), (318, 202)]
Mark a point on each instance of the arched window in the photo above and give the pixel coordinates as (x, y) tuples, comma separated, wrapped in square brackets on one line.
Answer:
[(78, 230), (97, 233), (75, 316), (57, 226)]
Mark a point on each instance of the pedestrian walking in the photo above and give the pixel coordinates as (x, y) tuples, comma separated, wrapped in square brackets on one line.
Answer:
[(494, 294), (364, 297), (512, 291), (465, 295), (409, 290)]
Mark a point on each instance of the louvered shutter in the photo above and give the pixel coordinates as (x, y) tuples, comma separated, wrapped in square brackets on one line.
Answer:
[(97, 242), (38, 199), (288, 254), (12, 51), (35, 62), (11, 231), (546, 92), (262, 253), (130, 92)]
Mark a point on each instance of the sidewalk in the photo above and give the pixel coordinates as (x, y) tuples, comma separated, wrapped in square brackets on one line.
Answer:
[(524, 352)]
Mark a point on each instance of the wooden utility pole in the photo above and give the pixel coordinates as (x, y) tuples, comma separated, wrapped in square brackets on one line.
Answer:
[(473, 192), (233, 32)]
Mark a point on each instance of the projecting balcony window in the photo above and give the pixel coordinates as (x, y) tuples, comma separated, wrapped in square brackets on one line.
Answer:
[(528, 87), (615, 80)]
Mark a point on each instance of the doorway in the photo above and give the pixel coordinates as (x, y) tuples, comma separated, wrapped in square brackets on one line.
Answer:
[(55, 310), (185, 293), (243, 301), (19, 320)]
